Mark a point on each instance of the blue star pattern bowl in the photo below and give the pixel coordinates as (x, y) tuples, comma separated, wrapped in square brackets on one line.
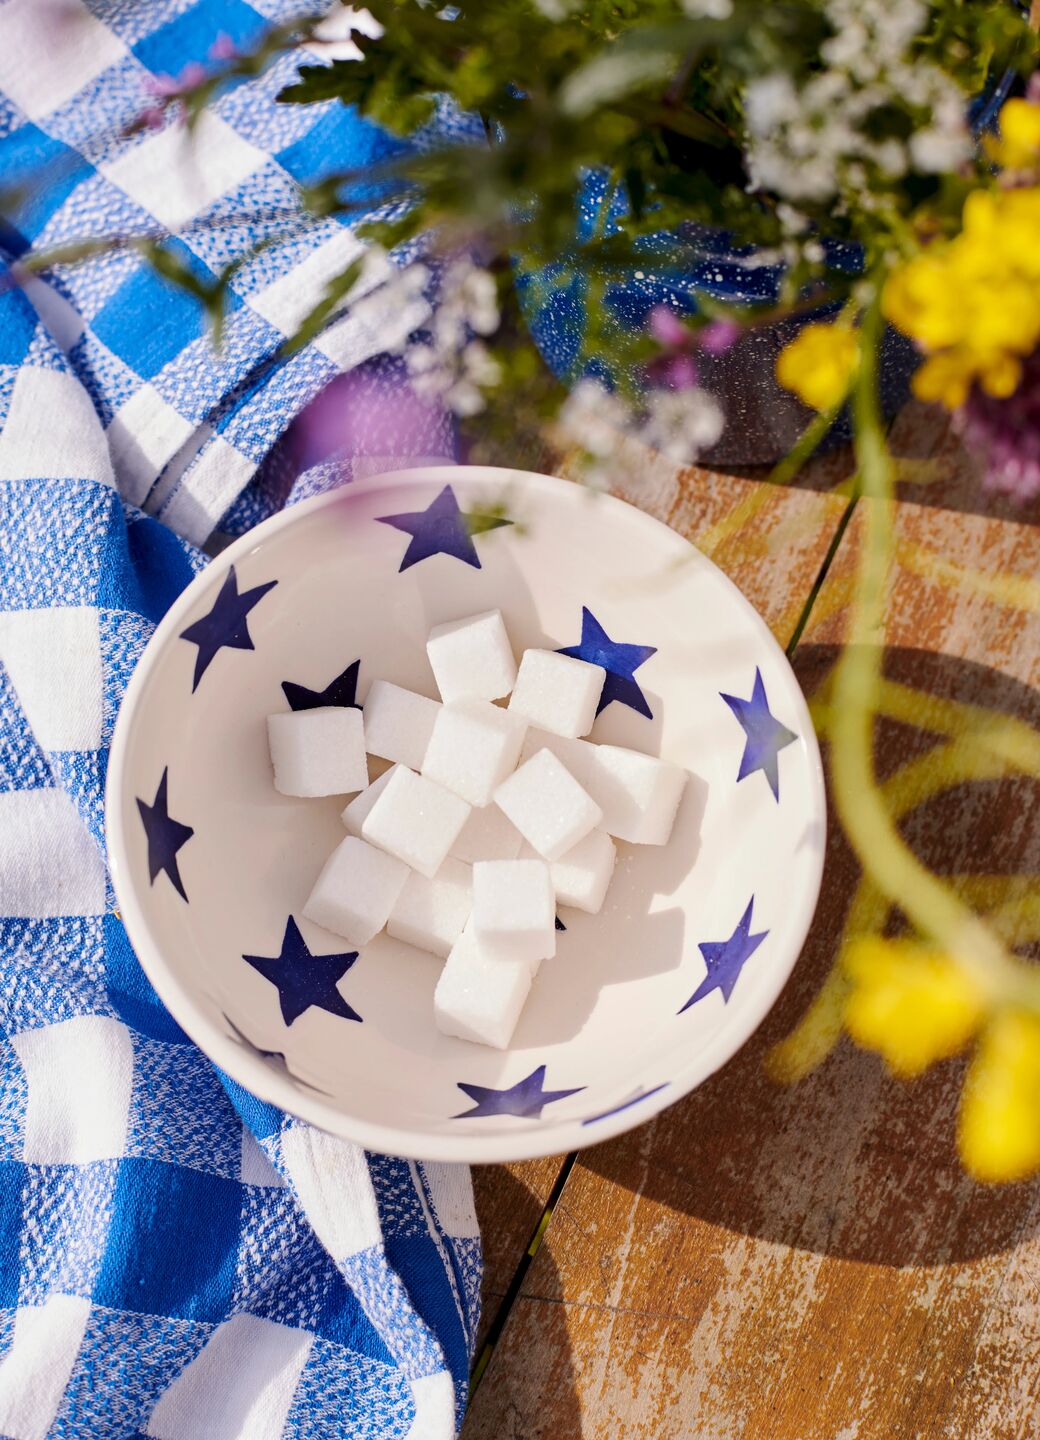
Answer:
[(212, 866)]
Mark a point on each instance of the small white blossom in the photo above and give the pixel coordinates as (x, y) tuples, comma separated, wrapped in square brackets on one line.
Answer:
[(681, 423), (708, 9), (333, 33), (813, 143), (593, 419), (458, 379)]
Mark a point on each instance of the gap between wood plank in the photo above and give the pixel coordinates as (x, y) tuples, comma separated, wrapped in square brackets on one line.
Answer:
[(512, 1293)]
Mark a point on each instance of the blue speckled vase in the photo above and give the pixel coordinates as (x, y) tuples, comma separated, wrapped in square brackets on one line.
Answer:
[(763, 420)]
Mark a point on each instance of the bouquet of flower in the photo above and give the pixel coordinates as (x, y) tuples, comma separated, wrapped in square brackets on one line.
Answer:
[(861, 163)]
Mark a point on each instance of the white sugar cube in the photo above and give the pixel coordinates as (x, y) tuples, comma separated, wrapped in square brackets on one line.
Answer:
[(398, 723), (638, 794), (547, 805), (318, 752), (486, 835), (557, 692), (581, 876), (480, 997), (472, 658), (355, 814), (474, 746), (416, 820), (431, 914), (356, 891), (514, 909)]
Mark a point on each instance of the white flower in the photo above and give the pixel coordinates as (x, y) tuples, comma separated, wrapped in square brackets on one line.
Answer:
[(457, 378), (814, 144), (769, 100), (333, 34), (593, 418), (681, 423), (708, 9)]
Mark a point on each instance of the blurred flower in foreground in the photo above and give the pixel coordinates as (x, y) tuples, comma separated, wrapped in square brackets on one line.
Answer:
[(973, 305), (1018, 145), (818, 364), (1000, 1107), (453, 364), (681, 423), (912, 1004), (1005, 434)]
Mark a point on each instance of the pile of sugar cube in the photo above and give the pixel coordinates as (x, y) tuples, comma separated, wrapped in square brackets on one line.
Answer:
[(489, 817)]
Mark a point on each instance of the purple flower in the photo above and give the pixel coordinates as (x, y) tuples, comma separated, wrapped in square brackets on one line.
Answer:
[(718, 335), (1005, 435), (667, 329), (223, 48)]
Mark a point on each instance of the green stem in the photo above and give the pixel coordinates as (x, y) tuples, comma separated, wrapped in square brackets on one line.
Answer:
[(928, 903)]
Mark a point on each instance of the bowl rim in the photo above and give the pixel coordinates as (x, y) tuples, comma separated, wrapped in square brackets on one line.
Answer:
[(245, 1065)]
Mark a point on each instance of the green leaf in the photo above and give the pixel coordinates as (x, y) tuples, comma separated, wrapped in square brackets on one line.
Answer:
[(335, 291)]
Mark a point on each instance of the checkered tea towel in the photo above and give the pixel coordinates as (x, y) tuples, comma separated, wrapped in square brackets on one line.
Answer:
[(177, 1260)]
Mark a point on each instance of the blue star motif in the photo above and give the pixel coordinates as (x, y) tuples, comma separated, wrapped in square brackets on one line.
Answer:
[(619, 661), (766, 737), (165, 836), (303, 979), (442, 529), (526, 1098), (226, 625), (342, 691), (725, 959)]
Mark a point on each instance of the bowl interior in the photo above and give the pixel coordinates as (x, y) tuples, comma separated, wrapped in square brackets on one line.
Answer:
[(605, 1018)]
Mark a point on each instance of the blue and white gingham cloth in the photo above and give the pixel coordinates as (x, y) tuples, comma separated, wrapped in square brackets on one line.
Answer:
[(177, 1260)]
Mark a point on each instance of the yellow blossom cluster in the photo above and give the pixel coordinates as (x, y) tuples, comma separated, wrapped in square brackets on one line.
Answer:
[(973, 304), (818, 364), (916, 1005)]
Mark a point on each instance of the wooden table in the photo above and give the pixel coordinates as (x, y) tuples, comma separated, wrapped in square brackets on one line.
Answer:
[(808, 1261)]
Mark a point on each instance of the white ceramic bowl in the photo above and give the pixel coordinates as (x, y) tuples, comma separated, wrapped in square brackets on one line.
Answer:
[(605, 1018)]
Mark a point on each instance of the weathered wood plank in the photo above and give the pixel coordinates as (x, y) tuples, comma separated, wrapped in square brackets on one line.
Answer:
[(811, 1262)]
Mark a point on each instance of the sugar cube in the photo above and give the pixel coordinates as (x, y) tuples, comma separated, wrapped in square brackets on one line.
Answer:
[(474, 746), (557, 692), (416, 820), (480, 997), (355, 813), (638, 794), (318, 752), (547, 805), (431, 914), (472, 658), (398, 723), (356, 891), (581, 876), (486, 835), (514, 909)]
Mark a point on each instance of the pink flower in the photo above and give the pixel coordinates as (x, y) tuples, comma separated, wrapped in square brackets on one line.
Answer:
[(164, 87), (223, 48), (150, 118), (667, 329), (718, 335)]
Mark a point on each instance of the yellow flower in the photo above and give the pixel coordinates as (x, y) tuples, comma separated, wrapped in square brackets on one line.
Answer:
[(945, 377), (1000, 1107), (818, 364), (1019, 143), (973, 303), (912, 1004)]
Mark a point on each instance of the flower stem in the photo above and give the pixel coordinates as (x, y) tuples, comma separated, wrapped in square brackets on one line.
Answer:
[(932, 907)]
